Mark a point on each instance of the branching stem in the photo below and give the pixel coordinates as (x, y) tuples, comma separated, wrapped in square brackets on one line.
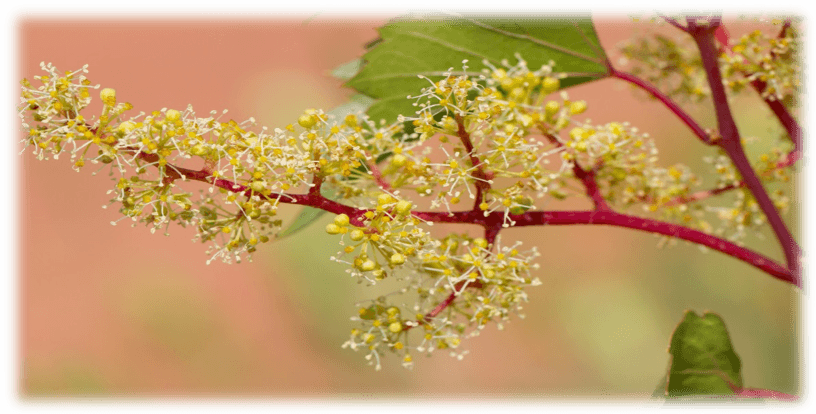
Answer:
[(483, 179), (731, 142), (668, 102)]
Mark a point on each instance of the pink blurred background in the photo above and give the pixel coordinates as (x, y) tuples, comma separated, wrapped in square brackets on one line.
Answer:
[(117, 311)]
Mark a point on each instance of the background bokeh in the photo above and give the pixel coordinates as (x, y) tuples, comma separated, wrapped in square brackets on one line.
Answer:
[(117, 311)]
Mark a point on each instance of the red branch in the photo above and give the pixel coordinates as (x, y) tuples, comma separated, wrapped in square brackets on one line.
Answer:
[(587, 177), (762, 393), (731, 141), (377, 175), (611, 218), (493, 221), (668, 102), (457, 289), (674, 23), (702, 195), (777, 107), (784, 117), (482, 181)]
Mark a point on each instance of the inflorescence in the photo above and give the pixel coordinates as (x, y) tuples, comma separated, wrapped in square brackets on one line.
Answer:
[(492, 143)]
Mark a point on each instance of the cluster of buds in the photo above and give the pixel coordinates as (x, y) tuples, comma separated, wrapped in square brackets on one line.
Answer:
[(769, 62), (498, 139), (150, 158), (672, 65), (458, 284), (385, 238), (772, 61), (743, 214)]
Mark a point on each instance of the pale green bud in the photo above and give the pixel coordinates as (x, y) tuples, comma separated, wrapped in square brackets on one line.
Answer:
[(577, 107), (341, 220), (108, 96), (397, 259), (551, 108), (172, 115), (550, 85), (368, 266), (404, 206), (356, 235)]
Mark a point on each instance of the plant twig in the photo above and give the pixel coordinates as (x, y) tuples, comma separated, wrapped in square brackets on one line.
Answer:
[(492, 223), (674, 22), (482, 181), (668, 102), (731, 141), (778, 108), (587, 177)]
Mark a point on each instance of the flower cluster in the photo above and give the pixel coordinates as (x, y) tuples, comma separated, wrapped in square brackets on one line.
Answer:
[(498, 139), (743, 214), (772, 62), (150, 156), (459, 284), (672, 65)]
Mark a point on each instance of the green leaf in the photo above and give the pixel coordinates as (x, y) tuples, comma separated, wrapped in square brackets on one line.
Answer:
[(703, 360), (705, 371), (660, 390), (357, 104), (431, 44), (347, 70), (307, 216)]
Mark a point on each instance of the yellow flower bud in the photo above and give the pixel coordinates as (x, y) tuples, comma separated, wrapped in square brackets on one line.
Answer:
[(368, 266), (397, 259), (384, 199), (307, 121), (480, 242), (404, 206), (398, 160), (578, 107), (108, 96), (341, 220), (550, 85), (126, 127), (356, 235), (258, 186), (551, 108), (172, 115)]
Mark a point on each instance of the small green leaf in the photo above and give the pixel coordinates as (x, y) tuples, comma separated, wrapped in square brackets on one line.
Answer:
[(357, 104), (703, 360), (307, 216), (660, 390), (429, 45), (347, 70)]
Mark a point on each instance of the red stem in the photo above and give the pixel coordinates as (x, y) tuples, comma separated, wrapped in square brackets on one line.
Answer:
[(378, 177), (587, 177), (731, 141), (482, 181), (668, 102), (612, 218), (492, 223), (702, 195), (674, 23), (784, 117), (763, 393), (779, 109)]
